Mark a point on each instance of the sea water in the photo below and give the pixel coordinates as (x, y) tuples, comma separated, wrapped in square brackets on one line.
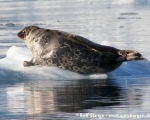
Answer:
[(52, 93)]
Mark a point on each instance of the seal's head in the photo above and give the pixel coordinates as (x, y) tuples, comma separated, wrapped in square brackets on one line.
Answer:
[(26, 31)]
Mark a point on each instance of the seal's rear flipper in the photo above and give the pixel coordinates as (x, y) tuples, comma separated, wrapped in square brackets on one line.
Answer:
[(128, 55)]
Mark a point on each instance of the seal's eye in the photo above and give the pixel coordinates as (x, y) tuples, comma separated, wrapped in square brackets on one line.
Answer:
[(23, 32)]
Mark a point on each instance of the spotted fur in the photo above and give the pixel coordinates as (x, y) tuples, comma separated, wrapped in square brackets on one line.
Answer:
[(72, 52)]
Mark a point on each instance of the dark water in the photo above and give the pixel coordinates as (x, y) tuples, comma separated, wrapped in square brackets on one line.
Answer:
[(72, 99)]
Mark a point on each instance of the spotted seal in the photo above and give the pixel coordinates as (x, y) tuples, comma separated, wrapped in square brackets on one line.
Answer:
[(72, 52)]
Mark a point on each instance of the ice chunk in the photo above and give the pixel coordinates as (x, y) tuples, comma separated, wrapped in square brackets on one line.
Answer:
[(11, 68)]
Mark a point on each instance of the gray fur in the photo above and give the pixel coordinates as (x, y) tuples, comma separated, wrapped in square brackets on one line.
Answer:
[(72, 52)]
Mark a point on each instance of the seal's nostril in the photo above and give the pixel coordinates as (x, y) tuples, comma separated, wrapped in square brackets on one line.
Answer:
[(20, 35)]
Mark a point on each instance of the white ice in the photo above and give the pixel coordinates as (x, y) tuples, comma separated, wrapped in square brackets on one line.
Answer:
[(11, 68)]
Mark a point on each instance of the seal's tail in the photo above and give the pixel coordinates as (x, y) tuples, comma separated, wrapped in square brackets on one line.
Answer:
[(128, 55)]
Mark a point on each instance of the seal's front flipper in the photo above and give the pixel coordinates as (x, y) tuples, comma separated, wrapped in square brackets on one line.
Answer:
[(27, 64)]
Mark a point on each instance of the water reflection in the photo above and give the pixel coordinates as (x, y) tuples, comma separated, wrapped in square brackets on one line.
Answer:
[(70, 96), (51, 98)]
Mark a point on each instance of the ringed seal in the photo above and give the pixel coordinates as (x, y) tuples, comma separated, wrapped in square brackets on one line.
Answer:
[(72, 52)]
